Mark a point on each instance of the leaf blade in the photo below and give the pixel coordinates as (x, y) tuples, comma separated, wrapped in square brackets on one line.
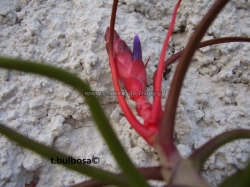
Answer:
[(199, 156), (95, 108), (49, 153)]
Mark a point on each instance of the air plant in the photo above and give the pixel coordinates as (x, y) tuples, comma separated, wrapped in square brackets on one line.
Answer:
[(158, 128)]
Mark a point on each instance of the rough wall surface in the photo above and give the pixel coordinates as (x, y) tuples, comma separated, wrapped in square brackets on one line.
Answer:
[(69, 34)]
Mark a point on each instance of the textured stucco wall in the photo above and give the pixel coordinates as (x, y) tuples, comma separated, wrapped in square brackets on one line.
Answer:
[(69, 34)]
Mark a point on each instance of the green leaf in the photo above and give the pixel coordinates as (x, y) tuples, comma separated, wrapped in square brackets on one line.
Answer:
[(200, 155), (245, 179), (98, 115), (232, 181), (239, 179), (49, 153)]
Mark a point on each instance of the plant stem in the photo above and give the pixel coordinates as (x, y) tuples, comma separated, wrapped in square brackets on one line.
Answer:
[(165, 136), (155, 115), (152, 173), (204, 44), (124, 106)]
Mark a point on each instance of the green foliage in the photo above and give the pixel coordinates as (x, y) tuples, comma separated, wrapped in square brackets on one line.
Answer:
[(135, 178), (49, 153)]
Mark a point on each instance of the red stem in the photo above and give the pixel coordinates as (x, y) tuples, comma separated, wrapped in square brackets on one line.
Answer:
[(165, 136), (124, 106), (155, 115)]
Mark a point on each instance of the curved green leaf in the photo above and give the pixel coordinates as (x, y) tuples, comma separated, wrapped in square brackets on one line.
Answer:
[(245, 179), (199, 156), (232, 181), (97, 113), (239, 179), (177, 55), (48, 152)]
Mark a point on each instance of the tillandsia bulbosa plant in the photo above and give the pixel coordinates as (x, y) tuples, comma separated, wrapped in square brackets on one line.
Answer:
[(158, 126)]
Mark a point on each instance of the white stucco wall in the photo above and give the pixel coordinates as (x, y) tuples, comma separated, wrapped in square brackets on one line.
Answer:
[(69, 34)]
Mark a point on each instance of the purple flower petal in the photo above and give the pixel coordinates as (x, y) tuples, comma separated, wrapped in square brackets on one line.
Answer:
[(137, 48)]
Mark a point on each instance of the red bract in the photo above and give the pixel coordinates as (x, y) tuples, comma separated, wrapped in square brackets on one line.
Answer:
[(131, 72)]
